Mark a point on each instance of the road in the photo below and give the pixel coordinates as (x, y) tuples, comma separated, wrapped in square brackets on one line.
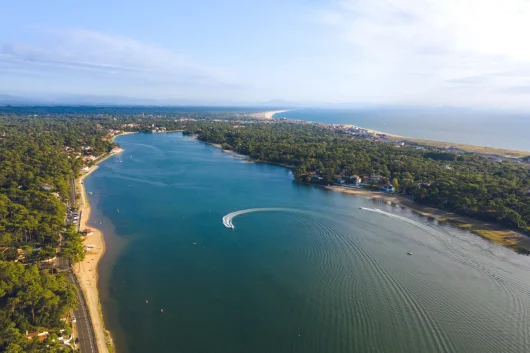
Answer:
[(85, 331)]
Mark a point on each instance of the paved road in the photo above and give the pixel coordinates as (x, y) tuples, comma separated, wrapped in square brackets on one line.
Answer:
[(85, 331)]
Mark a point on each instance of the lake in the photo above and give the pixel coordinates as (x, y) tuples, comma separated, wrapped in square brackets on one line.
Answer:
[(304, 271), (480, 128)]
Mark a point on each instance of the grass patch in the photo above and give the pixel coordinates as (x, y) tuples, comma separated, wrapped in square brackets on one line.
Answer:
[(504, 237)]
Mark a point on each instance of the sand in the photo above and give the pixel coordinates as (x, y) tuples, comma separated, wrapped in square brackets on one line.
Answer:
[(267, 115), (489, 231), (87, 270)]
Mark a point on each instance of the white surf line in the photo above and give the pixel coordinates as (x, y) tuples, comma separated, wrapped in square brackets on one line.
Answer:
[(227, 220)]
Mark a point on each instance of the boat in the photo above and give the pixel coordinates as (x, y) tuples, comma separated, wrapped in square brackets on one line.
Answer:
[(409, 253)]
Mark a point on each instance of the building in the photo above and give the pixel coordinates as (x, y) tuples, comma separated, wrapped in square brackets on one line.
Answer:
[(40, 336), (354, 179), (387, 188)]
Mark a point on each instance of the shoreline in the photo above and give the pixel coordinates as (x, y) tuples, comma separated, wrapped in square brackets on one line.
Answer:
[(87, 271), (497, 234), (268, 115), (482, 150)]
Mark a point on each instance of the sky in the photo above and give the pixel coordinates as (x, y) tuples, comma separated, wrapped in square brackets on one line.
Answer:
[(415, 52)]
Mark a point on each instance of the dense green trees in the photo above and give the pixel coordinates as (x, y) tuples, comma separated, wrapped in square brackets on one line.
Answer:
[(73, 248), (467, 184), (32, 300), (40, 154), (35, 170)]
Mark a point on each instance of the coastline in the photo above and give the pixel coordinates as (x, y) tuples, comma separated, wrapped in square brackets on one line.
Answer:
[(267, 115), (489, 231), (87, 270), (482, 150), (230, 152)]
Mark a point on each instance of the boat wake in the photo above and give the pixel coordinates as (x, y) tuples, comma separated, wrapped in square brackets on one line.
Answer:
[(227, 220), (391, 215)]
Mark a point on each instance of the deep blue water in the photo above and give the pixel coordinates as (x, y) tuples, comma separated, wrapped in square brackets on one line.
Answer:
[(321, 276), (492, 129)]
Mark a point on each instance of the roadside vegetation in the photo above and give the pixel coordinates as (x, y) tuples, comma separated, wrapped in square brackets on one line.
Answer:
[(35, 169)]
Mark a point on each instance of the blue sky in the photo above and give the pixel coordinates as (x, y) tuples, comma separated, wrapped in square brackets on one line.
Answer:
[(429, 52)]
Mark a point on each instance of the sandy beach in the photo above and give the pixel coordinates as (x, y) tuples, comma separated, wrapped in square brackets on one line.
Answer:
[(370, 131), (489, 231), (267, 115), (230, 152), (87, 270)]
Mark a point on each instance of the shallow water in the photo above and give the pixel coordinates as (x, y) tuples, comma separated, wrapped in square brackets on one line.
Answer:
[(314, 274)]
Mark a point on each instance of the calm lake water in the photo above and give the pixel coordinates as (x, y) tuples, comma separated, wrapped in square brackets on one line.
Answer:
[(492, 129), (317, 275)]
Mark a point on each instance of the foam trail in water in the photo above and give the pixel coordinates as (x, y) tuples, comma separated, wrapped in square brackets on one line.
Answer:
[(227, 220), (404, 219)]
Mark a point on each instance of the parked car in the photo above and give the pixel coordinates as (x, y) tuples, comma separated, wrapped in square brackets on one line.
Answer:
[(74, 320)]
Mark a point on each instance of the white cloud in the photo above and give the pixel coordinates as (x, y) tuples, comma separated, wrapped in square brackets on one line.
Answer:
[(420, 49), (110, 58)]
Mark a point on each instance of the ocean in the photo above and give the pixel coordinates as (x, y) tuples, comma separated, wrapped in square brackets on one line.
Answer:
[(481, 128), (304, 270)]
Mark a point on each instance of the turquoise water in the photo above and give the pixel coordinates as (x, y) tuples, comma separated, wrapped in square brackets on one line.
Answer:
[(313, 274), (493, 129)]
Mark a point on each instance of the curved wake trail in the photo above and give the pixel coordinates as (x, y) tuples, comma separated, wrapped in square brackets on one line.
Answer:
[(391, 215), (227, 220)]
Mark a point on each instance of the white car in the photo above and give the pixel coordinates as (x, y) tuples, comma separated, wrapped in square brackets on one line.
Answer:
[(74, 319)]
